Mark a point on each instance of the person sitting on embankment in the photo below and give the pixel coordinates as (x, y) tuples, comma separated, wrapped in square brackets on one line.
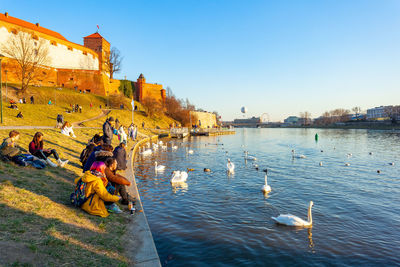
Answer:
[(100, 153), (118, 181), (9, 148), (36, 149), (96, 191), (67, 130), (96, 141), (120, 156)]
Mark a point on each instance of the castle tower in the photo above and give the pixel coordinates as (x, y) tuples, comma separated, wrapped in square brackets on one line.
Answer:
[(140, 84), (97, 43)]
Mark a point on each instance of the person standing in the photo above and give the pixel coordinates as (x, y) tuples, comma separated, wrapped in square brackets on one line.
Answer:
[(32, 100), (108, 131)]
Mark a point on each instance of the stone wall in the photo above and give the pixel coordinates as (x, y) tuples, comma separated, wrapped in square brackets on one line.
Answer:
[(203, 119)]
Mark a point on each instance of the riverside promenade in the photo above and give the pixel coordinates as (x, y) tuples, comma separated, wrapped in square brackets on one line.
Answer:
[(139, 243)]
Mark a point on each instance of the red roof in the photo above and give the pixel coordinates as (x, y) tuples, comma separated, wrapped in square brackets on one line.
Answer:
[(94, 35), (31, 26)]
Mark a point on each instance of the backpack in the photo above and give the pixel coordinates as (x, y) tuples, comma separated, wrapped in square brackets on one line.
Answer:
[(86, 153), (78, 197)]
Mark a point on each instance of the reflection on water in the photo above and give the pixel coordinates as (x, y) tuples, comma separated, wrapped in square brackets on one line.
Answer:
[(226, 219)]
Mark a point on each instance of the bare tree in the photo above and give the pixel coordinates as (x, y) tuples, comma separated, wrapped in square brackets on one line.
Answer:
[(393, 112), (30, 54), (114, 61), (356, 110), (305, 117)]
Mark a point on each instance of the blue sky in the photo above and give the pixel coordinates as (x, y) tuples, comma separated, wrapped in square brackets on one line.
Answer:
[(275, 57)]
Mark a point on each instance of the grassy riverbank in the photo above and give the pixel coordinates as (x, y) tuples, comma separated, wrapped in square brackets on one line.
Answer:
[(38, 226)]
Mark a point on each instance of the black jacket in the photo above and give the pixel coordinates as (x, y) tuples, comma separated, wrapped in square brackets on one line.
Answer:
[(103, 155), (108, 132), (120, 156)]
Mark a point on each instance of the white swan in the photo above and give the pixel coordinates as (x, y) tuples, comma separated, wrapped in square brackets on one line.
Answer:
[(158, 167), (291, 220), (230, 166), (250, 157), (174, 147), (190, 151), (179, 176), (147, 152), (301, 156), (266, 188)]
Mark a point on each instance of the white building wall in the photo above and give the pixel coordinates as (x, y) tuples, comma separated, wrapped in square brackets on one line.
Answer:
[(60, 56)]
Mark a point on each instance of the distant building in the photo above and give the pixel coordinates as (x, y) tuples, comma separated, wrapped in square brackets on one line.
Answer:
[(253, 120), (377, 113), (292, 120)]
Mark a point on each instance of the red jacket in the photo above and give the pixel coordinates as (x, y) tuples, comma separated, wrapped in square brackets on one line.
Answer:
[(33, 148)]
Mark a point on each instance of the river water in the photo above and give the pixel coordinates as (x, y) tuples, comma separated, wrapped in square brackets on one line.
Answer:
[(217, 219)]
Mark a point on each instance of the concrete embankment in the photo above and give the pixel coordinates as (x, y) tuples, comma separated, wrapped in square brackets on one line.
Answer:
[(139, 243)]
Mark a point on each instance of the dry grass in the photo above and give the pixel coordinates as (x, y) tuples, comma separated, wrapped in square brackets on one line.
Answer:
[(38, 221)]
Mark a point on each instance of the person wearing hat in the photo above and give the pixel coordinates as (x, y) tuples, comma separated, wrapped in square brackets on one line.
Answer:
[(108, 131)]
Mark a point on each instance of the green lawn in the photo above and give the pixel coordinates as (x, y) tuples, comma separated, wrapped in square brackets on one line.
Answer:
[(39, 223)]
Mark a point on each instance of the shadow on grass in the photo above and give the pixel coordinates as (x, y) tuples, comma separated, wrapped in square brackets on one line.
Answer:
[(33, 240)]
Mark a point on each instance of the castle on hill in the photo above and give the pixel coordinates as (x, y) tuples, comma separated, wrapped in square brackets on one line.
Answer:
[(71, 65)]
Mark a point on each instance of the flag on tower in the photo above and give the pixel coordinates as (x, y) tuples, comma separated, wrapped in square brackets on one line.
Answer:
[(98, 28)]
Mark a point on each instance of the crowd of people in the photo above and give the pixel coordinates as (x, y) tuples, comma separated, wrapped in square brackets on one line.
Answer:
[(104, 186)]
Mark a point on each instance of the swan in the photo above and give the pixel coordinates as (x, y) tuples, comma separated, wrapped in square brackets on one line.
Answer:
[(174, 147), (301, 156), (146, 152), (158, 167), (291, 220), (160, 143), (230, 166), (266, 188), (179, 176), (250, 157)]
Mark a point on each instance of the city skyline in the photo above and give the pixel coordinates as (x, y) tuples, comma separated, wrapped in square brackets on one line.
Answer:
[(275, 58)]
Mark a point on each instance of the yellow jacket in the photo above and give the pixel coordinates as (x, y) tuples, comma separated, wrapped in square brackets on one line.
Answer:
[(95, 205)]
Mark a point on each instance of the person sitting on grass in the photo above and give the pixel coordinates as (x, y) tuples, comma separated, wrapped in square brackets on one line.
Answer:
[(96, 191), (9, 148), (92, 144), (118, 181), (120, 156), (36, 149), (67, 130), (100, 153), (20, 116)]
